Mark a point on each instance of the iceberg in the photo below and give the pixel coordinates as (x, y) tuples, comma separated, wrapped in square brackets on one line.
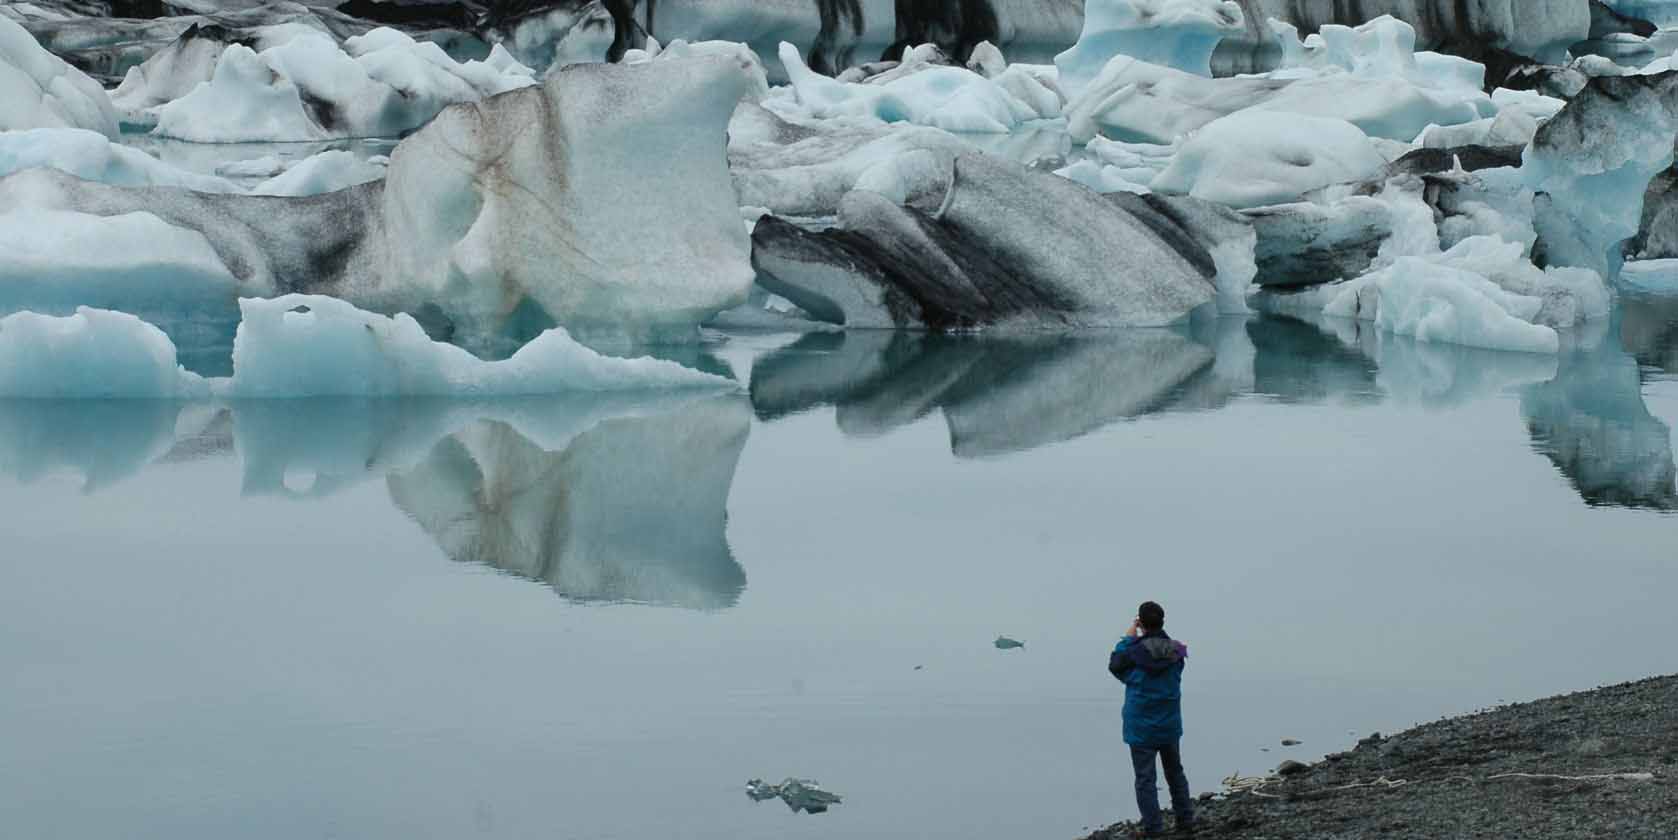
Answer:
[(1369, 76), (1443, 263), (924, 93), (1593, 162), (93, 353), (1542, 30), (612, 221), (39, 90), (1480, 293), (1253, 158), (379, 84), (1180, 34), (303, 346), (1004, 246), (803, 169)]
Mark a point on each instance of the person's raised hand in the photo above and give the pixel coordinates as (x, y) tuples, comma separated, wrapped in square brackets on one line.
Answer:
[(1135, 628)]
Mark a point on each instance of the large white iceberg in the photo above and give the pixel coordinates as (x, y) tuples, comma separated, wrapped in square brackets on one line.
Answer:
[(38, 90), (1180, 34), (304, 346), (601, 200)]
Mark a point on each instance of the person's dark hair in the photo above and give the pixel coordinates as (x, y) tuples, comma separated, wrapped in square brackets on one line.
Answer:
[(1152, 615)]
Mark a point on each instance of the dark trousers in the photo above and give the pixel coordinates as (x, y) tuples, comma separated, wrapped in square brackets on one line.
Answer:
[(1147, 789)]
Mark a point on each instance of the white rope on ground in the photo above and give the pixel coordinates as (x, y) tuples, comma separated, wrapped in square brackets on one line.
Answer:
[(1629, 777), (1237, 783)]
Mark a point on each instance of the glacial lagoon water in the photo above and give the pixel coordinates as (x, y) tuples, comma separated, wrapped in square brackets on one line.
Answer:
[(598, 617)]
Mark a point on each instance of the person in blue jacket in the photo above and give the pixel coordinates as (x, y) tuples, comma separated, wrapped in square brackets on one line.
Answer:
[(1150, 664)]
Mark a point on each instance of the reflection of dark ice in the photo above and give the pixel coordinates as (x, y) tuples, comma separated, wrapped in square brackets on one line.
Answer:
[(997, 394), (630, 510)]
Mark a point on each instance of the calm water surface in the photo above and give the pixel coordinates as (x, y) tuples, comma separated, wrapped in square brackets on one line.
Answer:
[(598, 617)]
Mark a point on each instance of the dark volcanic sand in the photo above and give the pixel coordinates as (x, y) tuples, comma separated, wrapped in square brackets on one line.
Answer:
[(1447, 769)]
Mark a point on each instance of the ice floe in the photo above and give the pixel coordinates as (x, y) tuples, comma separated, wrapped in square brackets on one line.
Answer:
[(304, 346)]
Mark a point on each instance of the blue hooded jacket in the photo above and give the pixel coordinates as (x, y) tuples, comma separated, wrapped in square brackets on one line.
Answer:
[(1151, 668)]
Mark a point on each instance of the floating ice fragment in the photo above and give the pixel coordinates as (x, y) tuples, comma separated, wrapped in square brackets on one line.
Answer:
[(799, 794)]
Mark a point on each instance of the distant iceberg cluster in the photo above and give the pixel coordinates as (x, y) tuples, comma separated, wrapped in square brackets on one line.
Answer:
[(559, 180)]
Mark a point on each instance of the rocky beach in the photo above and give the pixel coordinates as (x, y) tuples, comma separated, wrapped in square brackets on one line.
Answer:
[(1594, 764)]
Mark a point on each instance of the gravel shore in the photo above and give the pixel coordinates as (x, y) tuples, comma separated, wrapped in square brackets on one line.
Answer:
[(1501, 773)]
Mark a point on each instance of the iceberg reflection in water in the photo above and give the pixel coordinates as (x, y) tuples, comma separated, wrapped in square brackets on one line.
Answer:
[(617, 498), (631, 509), (999, 395)]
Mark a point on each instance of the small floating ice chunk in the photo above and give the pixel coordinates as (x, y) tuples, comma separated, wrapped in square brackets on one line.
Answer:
[(799, 794)]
